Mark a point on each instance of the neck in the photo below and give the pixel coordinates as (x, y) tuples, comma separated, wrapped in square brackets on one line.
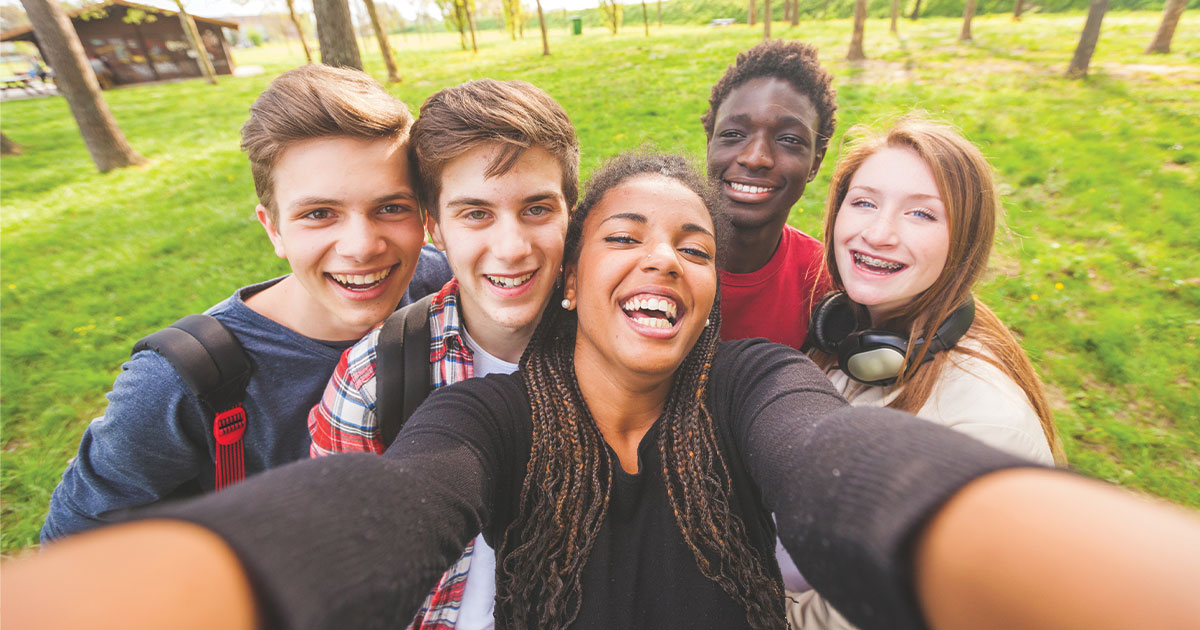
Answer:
[(624, 406), (751, 249), (288, 304), (503, 342)]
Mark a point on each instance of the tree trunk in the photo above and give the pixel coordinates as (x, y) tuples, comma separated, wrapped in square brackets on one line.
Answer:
[(646, 18), (385, 48), (471, 24), (542, 23), (787, 10), (193, 36), (1166, 28), (766, 20), (460, 14), (968, 15), (77, 83), (896, 13), (335, 34), (291, 5), (1087, 40), (860, 24), (753, 12), (659, 13), (916, 12), (795, 12), (1017, 8), (8, 147)]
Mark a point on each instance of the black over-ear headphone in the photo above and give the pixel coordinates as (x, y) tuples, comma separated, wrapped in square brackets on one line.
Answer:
[(875, 356)]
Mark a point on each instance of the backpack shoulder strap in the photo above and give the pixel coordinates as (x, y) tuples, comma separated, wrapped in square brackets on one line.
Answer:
[(402, 367), (215, 368)]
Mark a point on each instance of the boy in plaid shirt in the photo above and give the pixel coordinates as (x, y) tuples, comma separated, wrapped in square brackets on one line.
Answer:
[(497, 164)]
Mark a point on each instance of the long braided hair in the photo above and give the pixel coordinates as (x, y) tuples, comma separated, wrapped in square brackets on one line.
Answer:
[(564, 498)]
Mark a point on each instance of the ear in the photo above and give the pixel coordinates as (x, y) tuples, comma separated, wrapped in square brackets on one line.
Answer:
[(569, 284), (435, 232), (264, 217), (816, 165)]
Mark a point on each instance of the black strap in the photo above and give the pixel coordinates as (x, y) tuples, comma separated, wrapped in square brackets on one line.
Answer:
[(402, 367), (207, 356)]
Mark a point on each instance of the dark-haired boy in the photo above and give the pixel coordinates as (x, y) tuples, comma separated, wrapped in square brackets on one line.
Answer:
[(769, 122), (498, 163), (328, 150)]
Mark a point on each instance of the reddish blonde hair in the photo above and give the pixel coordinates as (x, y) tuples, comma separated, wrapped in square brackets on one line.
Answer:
[(965, 183)]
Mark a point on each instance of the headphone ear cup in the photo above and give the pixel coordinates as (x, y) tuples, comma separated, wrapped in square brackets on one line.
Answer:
[(832, 321)]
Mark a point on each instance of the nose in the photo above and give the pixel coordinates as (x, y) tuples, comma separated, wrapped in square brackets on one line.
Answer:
[(510, 243), (756, 153), (661, 258), (881, 232), (360, 240)]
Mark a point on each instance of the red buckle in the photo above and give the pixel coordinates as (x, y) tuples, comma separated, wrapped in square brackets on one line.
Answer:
[(230, 425)]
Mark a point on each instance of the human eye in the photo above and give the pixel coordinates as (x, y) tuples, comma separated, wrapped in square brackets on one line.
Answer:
[(793, 139), (620, 239), (863, 203), (476, 215), (394, 209), (730, 134), (537, 211), (319, 214), (923, 213), (696, 251)]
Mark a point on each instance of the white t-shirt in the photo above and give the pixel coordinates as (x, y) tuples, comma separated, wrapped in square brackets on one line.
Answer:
[(479, 593)]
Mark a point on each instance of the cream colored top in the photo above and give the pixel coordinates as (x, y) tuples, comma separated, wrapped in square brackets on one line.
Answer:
[(973, 397)]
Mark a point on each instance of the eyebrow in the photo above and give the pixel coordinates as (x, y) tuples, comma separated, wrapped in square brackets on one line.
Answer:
[(745, 119), (907, 196), (330, 201), (546, 195), (641, 218)]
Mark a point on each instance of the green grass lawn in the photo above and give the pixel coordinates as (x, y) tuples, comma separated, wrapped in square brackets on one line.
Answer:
[(1099, 274)]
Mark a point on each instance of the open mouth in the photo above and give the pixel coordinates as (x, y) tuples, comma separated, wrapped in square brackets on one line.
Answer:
[(747, 188), (361, 282), (877, 265), (508, 282), (653, 311)]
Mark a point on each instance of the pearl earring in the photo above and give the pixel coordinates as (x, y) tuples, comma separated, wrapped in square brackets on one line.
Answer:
[(707, 322), (566, 304)]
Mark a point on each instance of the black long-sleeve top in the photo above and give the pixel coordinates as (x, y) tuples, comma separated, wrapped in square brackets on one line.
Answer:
[(355, 541)]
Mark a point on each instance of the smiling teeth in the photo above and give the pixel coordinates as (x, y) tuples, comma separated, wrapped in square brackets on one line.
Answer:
[(358, 281), (746, 188), (508, 283), (876, 262), (653, 322), (662, 305)]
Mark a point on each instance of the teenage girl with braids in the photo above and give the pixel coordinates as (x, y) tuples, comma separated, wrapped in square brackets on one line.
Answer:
[(627, 476)]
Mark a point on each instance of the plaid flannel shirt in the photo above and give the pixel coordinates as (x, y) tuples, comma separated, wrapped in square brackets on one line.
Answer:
[(345, 422)]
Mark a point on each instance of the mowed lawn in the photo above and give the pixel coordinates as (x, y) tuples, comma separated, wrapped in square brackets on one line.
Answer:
[(1098, 274)]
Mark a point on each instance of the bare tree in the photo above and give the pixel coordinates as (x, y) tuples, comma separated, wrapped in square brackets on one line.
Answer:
[(646, 18), (542, 23), (795, 12), (291, 5), (193, 36), (1087, 40), (766, 20), (1018, 6), (611, 10), (385, 48), (916, 12), (1166, 28), (659, 13), (471, 23), (860, 25), (896, 13), (968, 15), (335, 34), (8, 147), (77, 83), (753, 13)]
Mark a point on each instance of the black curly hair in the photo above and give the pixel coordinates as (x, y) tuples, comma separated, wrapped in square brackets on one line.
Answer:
[(791, 61), (564, 498)]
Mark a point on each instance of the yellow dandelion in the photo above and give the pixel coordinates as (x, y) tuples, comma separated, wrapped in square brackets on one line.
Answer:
[(118, 318), (12, 286), (1058, 286), (1034, 297)]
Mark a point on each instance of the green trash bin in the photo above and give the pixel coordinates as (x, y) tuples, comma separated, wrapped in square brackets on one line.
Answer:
[(577, 25)]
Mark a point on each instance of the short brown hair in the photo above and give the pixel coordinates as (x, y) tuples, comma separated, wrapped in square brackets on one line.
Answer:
[(316, 101), (514, 114)]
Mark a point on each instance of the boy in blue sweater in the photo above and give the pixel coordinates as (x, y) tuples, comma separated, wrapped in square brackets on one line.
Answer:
[(328, 150)]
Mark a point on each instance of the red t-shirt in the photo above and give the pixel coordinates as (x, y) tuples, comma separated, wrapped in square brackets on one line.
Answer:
[(776, 301)]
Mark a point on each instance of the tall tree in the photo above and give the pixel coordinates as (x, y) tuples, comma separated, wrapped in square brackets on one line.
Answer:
[(542, 24), (470, 15), (77, 83), (795, 12), (611, 11), (968, 15), (916, 12), (193, 36), (646, 18), (291, 5), (1018, 6), (335, 34), (1087, 39), (896, 13), (659, 13), (385, 48), (1166, 28), (766, 20), (753, 13), (860, 25)]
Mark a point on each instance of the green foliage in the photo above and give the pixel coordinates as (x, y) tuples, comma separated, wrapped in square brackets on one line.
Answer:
[(1099, 177)]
